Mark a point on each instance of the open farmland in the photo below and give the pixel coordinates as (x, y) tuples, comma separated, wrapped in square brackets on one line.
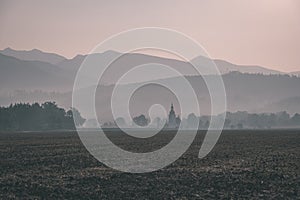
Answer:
[(244, 164)]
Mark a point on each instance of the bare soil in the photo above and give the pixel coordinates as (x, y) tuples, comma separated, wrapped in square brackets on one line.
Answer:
[(243, 165)]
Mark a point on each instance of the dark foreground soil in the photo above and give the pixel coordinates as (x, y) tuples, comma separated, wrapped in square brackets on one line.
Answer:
[(243, 165)]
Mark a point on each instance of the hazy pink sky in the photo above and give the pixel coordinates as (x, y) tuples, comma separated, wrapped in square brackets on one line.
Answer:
[(262, 32)]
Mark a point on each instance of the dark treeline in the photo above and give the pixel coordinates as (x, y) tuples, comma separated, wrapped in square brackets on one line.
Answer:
[(36, 117)]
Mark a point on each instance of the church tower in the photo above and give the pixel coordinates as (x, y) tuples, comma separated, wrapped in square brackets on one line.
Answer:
[(172, 118)]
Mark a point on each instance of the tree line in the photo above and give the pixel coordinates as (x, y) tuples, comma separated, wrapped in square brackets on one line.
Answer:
[(236, 120), (37, 117), (241, 120), (48, 116)]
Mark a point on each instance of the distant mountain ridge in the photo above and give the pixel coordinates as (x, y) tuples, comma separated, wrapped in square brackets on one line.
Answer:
[(33, 55), (18, 74), (136, 58), (36, 73)]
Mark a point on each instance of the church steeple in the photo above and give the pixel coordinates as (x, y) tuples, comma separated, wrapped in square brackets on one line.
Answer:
[(172, 118)]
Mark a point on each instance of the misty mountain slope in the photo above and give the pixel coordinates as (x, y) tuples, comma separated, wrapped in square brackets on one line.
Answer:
[(130, 59), (127, 61), (245, 92), (72, 64), (251, 91), (226, 67), (30, 75), (291, 105), (98, 59), (122, 65), (33, 55), (67, 69)]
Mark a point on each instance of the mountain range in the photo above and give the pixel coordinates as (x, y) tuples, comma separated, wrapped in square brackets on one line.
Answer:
[(133, 58), (35, 69), (38, 76), (33, 55)]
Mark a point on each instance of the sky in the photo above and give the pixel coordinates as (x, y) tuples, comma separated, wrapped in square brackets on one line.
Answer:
[(258, 32)]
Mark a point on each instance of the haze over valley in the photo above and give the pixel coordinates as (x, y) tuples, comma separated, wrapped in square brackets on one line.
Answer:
[(36, 76)]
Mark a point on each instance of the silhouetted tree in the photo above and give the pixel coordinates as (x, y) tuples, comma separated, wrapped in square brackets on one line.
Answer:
[(157, 122), (75, 114), (141, 120), (295, 120), (120, 121), (192, 121)]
